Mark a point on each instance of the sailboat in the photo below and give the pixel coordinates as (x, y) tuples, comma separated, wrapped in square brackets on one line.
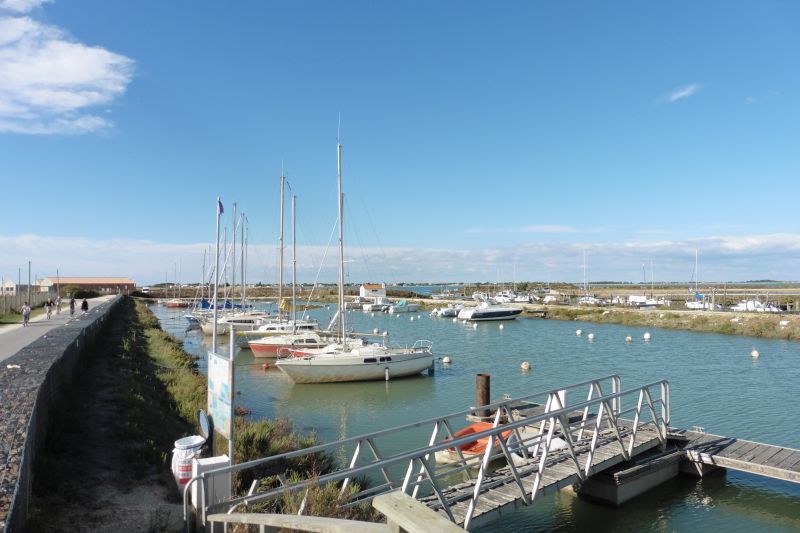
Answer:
[(353, 359), (699, 302)]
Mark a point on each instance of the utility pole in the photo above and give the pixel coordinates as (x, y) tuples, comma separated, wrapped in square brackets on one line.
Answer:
[(29, 283)]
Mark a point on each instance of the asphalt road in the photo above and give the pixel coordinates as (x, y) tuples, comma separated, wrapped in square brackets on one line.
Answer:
[(14, 337)]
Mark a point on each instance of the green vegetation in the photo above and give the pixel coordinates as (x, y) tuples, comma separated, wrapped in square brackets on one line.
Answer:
[(749, 324), (137, 392)]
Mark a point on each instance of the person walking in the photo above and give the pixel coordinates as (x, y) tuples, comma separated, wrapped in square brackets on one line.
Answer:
[(85, 306), (26, 314), (71, 306), (58, 304), (49, 308)]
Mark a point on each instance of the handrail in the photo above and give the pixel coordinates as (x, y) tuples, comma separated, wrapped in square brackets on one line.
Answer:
[(383, 432), (420, 469)]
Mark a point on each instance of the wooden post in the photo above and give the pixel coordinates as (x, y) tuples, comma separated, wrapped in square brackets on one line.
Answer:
[(482, 393)]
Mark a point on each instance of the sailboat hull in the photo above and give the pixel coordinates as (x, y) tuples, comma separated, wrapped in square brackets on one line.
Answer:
[(347, 367)]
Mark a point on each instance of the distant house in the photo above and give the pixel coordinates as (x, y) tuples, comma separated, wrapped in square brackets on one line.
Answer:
[(101, 285), (372, 290), (8, 288)]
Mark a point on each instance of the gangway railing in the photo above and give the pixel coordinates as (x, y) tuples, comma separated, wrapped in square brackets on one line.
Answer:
[(566, 423)]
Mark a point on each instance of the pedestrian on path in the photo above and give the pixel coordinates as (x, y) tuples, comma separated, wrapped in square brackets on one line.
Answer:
[(71, 306), (85, 306), (26, 314), (48, 307), (58, 304)]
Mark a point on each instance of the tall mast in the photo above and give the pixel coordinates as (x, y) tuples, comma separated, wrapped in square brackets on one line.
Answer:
[(294, 267), (696, 273), (216, 280), (280, 252), (244, 286), (342, 312), (233, 258), (585, 290)]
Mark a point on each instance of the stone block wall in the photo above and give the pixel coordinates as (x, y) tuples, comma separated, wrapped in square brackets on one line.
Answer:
[(27, 394)]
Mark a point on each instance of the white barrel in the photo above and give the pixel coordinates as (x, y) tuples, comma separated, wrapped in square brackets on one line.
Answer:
[(185, 450)]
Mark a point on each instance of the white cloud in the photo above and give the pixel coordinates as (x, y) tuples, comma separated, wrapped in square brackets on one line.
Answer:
[(21, 6), (50, 83), (722, 258), (684, 92)]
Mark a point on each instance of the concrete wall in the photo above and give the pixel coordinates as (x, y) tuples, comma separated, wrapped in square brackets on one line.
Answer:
[(27, 395)]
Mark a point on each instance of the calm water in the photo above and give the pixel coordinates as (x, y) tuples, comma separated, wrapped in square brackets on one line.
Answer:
[(714, 384)]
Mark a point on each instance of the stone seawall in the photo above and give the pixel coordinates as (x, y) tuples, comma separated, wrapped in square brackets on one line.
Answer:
[(27, 394)]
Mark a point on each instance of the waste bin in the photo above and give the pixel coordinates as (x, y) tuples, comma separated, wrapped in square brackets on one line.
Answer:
[(185, 450)]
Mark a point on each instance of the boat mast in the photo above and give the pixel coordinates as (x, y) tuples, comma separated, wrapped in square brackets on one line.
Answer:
[(233, 258), (585, 289), (216, 280), (280, 252), (696, 273), (244, 259), (294, 268), (341, 249)]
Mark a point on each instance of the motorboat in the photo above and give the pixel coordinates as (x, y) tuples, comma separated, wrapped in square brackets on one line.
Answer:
[(474, 449), (269, 347), (403, 306), (755, 305), (357, 303), (379, 305), (489, 311), (243, 321), (446, 312), (505, 297), (275, 327)]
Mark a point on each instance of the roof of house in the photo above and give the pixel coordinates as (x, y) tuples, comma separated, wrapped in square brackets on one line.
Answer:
[(374, 286), (62, 280)]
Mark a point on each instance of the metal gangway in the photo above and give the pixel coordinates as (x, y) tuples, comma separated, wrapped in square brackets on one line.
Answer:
[(534, 445)]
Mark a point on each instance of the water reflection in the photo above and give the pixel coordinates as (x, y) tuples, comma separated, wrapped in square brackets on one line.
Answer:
[(715, 384)]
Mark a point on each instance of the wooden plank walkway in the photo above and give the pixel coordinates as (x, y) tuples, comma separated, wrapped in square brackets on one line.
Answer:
[(500, 493), (743, 455)]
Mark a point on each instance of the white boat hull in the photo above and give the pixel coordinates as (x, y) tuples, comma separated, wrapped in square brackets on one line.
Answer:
[(347, 367)]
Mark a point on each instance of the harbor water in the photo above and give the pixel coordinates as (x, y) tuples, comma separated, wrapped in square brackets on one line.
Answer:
[(715, 384)]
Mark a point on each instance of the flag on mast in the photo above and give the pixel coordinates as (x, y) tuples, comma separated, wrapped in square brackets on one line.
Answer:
[(220, 210)]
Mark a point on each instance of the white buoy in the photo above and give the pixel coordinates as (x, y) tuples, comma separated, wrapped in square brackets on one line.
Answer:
[(463, 321), (754, 354), (647, 335), (474, 325), (501, 326), (628, 339), (446, 360), (385, 333), (579, 333), (372, 314), (419, 316), (525, 365), (375, 331), (590, 336), (386, 373), (455, 319), (412, 319)]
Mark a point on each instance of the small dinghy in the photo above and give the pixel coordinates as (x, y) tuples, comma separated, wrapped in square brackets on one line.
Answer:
[(470, 449)]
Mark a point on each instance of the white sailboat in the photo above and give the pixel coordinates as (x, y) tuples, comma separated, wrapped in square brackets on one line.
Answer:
[(353, 359)]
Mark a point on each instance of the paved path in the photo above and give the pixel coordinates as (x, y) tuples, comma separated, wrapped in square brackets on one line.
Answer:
[(14, 337)]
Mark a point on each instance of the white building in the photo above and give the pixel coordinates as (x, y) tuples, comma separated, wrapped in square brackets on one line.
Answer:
[(372, 290), (8, 288)]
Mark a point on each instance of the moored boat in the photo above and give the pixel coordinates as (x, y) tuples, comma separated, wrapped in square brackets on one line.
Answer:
[(489, 311), (471, 450)]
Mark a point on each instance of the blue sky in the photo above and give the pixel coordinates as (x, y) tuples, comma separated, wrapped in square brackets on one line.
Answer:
[(482, 142)]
